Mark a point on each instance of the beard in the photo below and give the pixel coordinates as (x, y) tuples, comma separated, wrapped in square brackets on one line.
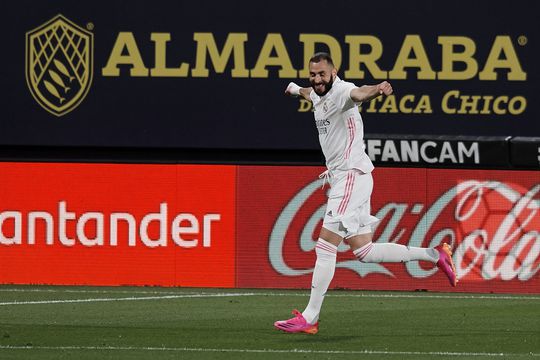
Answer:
[(327, 86)]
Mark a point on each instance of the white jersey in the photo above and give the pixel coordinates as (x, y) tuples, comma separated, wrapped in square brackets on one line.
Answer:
[(341, 131)]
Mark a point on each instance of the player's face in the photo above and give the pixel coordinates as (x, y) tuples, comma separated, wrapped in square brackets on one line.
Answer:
[(321, 77)]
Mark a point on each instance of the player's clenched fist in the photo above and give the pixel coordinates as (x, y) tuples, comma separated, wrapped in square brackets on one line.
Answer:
[(292, 89), (385, 88)]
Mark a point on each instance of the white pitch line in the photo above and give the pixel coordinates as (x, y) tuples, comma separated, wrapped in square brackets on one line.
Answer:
[(275, 351), (335, 294), (111, 291), (131, 298), (483, 297)]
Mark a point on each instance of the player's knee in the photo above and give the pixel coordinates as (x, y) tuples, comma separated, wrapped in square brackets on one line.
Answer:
[(331, 233), (325, 250)]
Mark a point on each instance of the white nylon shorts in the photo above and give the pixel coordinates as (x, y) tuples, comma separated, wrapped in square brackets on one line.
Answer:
[(348, 210)]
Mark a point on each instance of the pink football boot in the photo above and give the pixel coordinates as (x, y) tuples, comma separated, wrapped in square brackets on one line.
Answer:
[(297, 324), (446, 264)]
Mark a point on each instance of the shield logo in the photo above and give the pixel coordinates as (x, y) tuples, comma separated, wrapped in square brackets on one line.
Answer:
[(59, 64)]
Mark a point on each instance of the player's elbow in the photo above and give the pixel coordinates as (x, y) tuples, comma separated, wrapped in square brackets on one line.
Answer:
[(358, 95)]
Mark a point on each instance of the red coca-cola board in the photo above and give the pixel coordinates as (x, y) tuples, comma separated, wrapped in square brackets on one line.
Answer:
[(491, 218)]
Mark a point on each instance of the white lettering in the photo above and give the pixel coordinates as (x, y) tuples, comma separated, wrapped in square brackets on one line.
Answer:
[(473, 151), (81, 224), (161, 218), (64, 216), (423, 154), (16, 238), (130, 219), (49, 225), (429, 151), (178, 229), (89, 228), (505, 249), (390, 152), (447, 153), (207, 228), (374, 149), (409, 150)]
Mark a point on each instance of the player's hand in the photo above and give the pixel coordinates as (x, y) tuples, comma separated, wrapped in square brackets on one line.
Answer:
[(292, 90), (385, 88)]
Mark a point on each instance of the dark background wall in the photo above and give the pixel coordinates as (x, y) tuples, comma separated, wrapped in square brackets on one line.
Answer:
[(225, 112)]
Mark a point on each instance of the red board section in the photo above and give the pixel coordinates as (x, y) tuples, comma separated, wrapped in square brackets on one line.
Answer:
[(111, 224), (492, 218)]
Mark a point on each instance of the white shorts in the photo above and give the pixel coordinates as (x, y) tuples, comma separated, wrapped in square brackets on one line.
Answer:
[(348, 210)]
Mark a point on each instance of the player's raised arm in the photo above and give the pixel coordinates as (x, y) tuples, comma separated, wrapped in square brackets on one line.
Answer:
[(368, 92), (295, 90)]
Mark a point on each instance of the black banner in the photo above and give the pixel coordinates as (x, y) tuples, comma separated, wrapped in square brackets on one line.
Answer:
[(445, 151), (199, 75), (525, 152)]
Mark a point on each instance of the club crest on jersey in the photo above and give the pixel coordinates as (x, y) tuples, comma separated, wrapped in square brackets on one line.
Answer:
[(59, 64)]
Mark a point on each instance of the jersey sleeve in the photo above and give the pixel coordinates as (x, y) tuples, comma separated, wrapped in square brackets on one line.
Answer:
[(343, 96)]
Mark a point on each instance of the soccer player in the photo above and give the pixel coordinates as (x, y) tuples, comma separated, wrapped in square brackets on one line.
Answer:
[(347, 214)]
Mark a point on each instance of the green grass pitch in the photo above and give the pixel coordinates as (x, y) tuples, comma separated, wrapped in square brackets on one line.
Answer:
[(60, 322)]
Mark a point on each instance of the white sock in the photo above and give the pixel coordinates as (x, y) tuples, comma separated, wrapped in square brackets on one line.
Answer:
[(390, 252), (323, 273)]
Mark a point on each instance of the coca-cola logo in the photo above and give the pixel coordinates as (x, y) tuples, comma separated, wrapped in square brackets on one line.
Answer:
[(493, 226), (506, 247)]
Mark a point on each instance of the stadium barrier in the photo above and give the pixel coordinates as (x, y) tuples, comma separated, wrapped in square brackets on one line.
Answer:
[(525, 152), (255, 226), (440, 151)]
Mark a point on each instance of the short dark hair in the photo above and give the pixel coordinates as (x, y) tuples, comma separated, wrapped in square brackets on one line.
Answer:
[(317, 57)]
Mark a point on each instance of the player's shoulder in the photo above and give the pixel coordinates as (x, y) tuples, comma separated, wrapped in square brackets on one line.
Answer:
[(343, 84), (342, 87)]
